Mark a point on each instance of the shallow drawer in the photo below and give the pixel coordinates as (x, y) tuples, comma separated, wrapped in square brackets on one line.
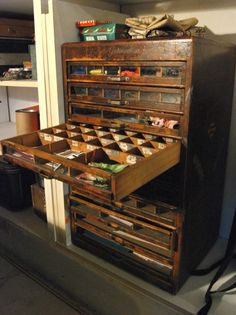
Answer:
[(111, 163), (135, 207), (167, 99), (126, 230), (150, 121), (154, 73), (15, 28)]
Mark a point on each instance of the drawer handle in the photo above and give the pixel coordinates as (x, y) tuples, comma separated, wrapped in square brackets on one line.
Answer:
[(118, 102), (11, 30), (119, 79)]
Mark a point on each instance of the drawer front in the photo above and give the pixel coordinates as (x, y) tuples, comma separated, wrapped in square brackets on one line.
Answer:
[(136, 207), (168, 125), (105, 160), (154, 73), (135, 235), (128, 96), (16, 28), (174, 49)]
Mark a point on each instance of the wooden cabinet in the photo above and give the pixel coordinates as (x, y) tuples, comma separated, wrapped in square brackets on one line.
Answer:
[(160, 110), (16, 28)]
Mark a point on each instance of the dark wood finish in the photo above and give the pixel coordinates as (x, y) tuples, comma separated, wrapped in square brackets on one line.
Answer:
[(169, 97), (16, 28), (195, 186)]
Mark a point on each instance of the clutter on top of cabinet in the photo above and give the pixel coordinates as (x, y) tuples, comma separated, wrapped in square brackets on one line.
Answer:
[(110, 31), (150, 26), (80, 24)]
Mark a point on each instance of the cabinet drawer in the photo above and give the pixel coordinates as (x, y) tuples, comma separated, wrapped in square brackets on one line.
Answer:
[(154, 73), (135, 207), (126, 230), (149, 121), (128, 96), (105, 161), (14, 28)]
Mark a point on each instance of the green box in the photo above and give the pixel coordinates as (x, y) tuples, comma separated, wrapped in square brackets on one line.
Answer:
[(104, 32)]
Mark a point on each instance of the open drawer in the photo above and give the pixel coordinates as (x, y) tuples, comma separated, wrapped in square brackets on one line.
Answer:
[(109, 163)]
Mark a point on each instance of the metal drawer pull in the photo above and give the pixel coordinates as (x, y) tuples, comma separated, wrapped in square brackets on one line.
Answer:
[(118, 102), (119, 79), (11, 30)]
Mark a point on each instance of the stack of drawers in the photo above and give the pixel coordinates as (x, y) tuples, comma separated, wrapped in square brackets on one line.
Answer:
[(159, 111)]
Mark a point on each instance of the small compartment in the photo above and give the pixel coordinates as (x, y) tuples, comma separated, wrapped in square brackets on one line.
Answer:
[(95, 70), (91, 135), (138, 139), (126, 144), (147, 149), (66, 150), (60, 136), (119, 136), (98, 159), (133, 156), (150, 210), (76, 132), (107, 139), (102, 132)]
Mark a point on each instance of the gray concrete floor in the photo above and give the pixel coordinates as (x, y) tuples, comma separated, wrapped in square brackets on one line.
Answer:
[(20, 295)]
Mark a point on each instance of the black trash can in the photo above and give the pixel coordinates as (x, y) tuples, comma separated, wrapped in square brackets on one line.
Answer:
[(15, 182)]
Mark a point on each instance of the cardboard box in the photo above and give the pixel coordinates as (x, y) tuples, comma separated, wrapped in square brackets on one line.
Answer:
[(104, 32), (38, 201)]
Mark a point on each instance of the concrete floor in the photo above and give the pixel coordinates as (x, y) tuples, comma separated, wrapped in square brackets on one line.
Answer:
[(20, 295)]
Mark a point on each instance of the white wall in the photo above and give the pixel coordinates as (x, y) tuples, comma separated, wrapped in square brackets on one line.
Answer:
[(219, 16), (21, 98)]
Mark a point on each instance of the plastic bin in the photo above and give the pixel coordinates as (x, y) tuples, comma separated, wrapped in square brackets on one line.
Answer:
[(15, 182)]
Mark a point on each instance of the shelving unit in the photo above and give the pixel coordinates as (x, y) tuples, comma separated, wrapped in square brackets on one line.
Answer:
[(20, 83)]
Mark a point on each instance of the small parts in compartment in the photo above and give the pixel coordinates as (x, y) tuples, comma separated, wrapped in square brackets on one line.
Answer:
[(53, 165), (164, 123), (112, 168), (94, 180), (162, 72), (97, 71), (24, 155), (69, 154)]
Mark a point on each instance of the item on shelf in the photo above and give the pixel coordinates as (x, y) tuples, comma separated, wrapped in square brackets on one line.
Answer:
[(80, 24), (16, 74), (141, 27), (27, 119), (104, 32)]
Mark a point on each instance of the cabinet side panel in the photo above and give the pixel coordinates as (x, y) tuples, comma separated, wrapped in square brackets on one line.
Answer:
[(209, 122)]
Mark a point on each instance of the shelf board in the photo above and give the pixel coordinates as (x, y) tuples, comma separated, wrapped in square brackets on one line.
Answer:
[(20, 83)]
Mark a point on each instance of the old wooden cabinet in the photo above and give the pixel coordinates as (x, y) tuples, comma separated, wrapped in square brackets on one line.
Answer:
[(160, 109)]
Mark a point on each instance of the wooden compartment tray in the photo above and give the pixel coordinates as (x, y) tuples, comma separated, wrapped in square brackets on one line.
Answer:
[(76, 153)]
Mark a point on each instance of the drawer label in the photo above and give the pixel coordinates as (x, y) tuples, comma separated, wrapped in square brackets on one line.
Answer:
[(131, 159)]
